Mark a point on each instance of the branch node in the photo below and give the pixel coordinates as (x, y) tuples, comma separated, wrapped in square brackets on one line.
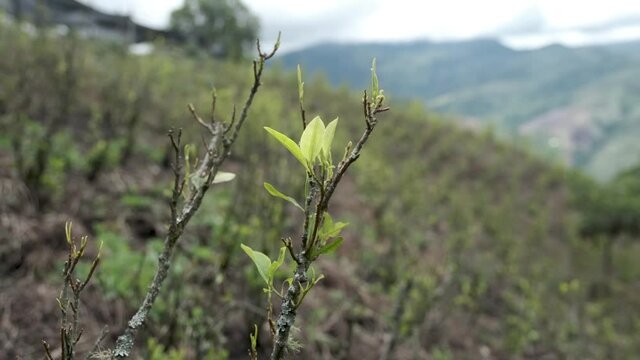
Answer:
[(197, 118)]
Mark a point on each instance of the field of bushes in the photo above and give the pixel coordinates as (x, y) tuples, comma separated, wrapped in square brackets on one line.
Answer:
[(459, 246)]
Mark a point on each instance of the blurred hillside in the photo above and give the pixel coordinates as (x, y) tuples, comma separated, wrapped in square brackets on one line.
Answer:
[(578, 104), (485, 249)]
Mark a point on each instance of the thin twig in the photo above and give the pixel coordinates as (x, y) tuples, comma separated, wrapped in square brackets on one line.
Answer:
[(197, 118), (179, 175), (47, 351), (214, 98), (70, 331), (233, 120), (287, 243), (92, 270), (370, 121), (258, 67), (208, 168)]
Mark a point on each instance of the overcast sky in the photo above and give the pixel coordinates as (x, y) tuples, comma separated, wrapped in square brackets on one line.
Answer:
[(519, 23)]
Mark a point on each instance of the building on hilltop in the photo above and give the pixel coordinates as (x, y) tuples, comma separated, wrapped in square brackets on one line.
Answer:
[(83, 19)]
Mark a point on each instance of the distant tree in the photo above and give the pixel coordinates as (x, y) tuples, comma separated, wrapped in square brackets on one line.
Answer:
[(610, 212), (224, 28), (614, 208)]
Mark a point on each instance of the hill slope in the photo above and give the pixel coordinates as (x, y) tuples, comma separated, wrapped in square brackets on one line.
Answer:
[(580, 103), (486, 234)]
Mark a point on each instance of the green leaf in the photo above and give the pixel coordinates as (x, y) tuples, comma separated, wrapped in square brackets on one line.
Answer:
[(327, 139), (327, 223), (276, 264), (262, 261), (290, 145), (311, 139), (337, 228), (222, 177), (330, 247), (67, 231), (374, 81), (274, 192), (300, 85), (329, 228), (254, 337)]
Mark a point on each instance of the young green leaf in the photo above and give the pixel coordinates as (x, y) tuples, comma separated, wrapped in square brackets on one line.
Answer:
[(330, 247), (290, 145), (67, 231), (223, 176), (262, 262), (311, 139), (276, 264), (300, 85), (327, 222), (327, 139), (254, 337), (374, 81), (329, 228), (335, 230), (274, 192)]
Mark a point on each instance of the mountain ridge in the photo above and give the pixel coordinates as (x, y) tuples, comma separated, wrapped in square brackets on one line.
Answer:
[(584, 88)]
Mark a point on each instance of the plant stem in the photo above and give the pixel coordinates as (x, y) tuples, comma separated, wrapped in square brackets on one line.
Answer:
[(287, 316), (208, 169), (321, 195)]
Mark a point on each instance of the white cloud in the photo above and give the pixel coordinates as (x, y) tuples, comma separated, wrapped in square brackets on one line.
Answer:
[(380, 20), (573, 37), (304, 22), (567, 14)]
